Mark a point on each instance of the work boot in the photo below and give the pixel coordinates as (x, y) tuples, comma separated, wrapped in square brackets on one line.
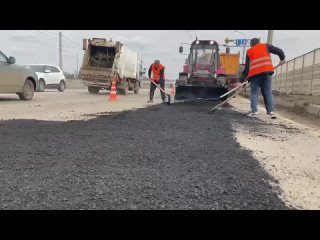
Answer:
[(150, 101), (272, 115)]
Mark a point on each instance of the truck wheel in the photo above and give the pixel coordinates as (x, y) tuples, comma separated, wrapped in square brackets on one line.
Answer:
[(27, 91), (42, 85), (93, 90), (136, 87), (125, 90), (62, 86)]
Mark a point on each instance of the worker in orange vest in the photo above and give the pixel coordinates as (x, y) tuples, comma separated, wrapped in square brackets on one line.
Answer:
[(259, 70), (157, 71)]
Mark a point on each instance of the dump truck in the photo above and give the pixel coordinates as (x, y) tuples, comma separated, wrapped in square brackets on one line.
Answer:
[(202, 76), (104, 61), (230, 67)]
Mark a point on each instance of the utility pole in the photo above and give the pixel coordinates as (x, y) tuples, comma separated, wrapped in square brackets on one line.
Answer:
[(141, 70), (270, 36), (60, 51), (77, 73), (243, 52)]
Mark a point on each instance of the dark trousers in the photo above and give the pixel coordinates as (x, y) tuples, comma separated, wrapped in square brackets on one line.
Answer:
[(153, 88)]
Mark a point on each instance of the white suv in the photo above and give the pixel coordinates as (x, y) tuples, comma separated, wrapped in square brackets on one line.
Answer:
[(49, 76)]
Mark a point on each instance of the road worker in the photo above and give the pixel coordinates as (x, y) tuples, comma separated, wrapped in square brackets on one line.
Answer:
[(157, 71), (259, 70)]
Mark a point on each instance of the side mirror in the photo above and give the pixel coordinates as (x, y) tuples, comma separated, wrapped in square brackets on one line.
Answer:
[(12, 60), (47, 71), (180, 49)]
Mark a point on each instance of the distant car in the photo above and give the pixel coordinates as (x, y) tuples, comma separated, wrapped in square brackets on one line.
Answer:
[(49, 76), (16, 79)]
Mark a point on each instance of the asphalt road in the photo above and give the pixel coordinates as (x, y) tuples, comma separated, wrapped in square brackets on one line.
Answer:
[(159, 157)]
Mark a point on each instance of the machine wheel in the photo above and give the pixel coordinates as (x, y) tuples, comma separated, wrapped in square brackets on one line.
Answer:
[(62, 86), (93, 90), (27, 91), (222, 80)]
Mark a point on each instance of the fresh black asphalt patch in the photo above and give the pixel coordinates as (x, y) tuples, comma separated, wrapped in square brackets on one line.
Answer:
[(161, 157)]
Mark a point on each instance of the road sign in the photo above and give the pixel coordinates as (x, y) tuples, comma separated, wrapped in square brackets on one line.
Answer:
[(242, 42)]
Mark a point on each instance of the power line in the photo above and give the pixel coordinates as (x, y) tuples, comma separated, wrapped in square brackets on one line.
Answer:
[(67, 51), (50, 43), (73, 41), (67, 45), (55, 35), (62, 46), (67, 38), (47, 35)]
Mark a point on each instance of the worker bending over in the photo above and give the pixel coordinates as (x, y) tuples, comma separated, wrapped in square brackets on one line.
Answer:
[(157, 71)]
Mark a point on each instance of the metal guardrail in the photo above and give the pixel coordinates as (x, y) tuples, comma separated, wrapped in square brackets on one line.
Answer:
[(300, 75)]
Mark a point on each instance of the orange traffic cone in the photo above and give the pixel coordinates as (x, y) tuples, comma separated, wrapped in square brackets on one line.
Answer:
[(113, 92)]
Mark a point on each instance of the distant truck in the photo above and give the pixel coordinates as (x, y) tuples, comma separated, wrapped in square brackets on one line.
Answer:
[(231, 68), (104, 60)]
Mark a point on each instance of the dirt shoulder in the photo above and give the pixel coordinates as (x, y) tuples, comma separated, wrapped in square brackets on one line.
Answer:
[(288, 150)]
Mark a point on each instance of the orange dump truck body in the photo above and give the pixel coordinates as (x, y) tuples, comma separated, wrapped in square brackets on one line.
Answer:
[(231, 65)]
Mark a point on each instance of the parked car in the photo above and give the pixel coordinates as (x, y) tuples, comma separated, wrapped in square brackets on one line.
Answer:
[(16, 79), (49, 76)]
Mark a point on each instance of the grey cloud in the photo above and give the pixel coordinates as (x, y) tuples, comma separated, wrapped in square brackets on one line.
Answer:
[(150, 44), (26, 38)]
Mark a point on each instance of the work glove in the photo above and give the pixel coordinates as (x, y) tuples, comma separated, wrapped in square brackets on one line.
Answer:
[(282, 62)]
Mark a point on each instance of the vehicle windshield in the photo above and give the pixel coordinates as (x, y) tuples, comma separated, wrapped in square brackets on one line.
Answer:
[(205, 55), (36, 68)]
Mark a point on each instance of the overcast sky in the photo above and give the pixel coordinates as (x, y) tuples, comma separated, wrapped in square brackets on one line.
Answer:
[(41, 46)]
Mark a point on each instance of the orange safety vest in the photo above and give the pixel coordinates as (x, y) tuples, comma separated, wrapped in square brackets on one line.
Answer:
[(260, 60), (156, 72)]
